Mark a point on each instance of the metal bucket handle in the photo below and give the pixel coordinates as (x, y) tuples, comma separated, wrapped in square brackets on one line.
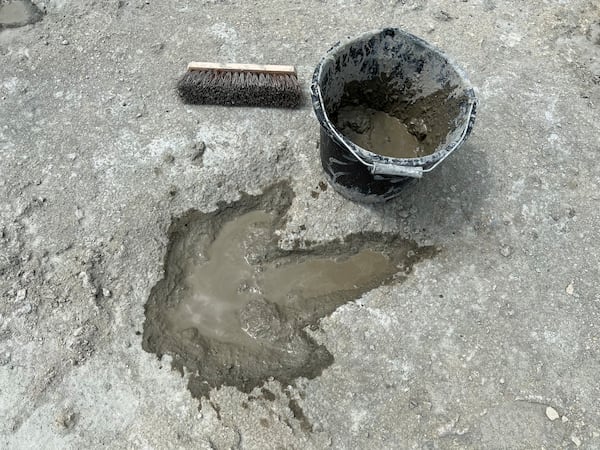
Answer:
[(378, 168)]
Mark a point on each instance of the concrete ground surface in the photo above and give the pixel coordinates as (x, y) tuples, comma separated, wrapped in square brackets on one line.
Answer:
[(493, 342)]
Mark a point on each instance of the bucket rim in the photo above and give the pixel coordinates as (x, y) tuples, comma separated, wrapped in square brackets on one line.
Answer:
[(374, 160)]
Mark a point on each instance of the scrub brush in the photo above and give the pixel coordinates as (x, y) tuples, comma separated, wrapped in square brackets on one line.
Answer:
[(240, 85)]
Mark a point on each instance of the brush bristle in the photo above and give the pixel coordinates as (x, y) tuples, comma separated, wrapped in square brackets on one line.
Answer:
[(240, 89)]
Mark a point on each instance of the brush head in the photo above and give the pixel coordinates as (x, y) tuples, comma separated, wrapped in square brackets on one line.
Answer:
[(210, 87)]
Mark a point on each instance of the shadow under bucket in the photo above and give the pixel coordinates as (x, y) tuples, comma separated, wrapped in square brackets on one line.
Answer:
[(391, 108)]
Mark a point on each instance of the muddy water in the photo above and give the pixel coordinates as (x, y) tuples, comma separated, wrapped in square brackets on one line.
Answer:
[(388, 118), (378, 132), (315, 278), (233, 308), (217, 290), (17, 13)]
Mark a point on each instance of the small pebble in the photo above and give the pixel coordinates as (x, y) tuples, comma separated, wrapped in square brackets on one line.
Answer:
[(570, 288), (106, 293), (506, 251), (65, 42), (21, 294), (564, 419), (198, 150), (443, 16), (576, 441), (551, 413), (5, 360), (65, 419)]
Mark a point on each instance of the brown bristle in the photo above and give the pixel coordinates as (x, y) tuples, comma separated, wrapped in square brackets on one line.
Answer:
[(240, 89)]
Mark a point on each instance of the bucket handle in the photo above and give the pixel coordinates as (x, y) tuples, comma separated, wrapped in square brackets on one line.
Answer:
[(391, 169)]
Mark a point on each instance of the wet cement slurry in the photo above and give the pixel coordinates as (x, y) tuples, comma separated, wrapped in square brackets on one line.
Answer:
[(378, 132), (233, 306), (18, 13), (395, 123), (217, 290)]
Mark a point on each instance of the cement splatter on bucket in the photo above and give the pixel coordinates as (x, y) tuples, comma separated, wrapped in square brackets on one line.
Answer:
[(391, 108)]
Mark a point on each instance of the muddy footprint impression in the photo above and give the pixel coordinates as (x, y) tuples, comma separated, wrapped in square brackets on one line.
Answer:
[(233, 307)]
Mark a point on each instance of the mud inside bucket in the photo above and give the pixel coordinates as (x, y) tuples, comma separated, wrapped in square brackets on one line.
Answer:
[(391, 108)]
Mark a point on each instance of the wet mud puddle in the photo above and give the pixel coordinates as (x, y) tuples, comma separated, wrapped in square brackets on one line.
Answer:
[(234, 308), (217, 291), (18, 13)]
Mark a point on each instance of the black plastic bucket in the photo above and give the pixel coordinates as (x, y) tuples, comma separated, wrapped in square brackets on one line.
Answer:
[(396, 72)]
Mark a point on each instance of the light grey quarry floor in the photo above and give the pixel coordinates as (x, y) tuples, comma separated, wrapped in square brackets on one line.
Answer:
[(469, 352)]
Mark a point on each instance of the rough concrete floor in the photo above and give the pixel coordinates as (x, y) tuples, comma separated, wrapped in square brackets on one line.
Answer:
[(482, 346)]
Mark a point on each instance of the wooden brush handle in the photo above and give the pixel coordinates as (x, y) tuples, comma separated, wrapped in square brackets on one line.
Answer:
[(258, 68)]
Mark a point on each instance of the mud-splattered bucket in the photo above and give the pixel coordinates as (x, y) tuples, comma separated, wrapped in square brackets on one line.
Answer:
[(405, 78)]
